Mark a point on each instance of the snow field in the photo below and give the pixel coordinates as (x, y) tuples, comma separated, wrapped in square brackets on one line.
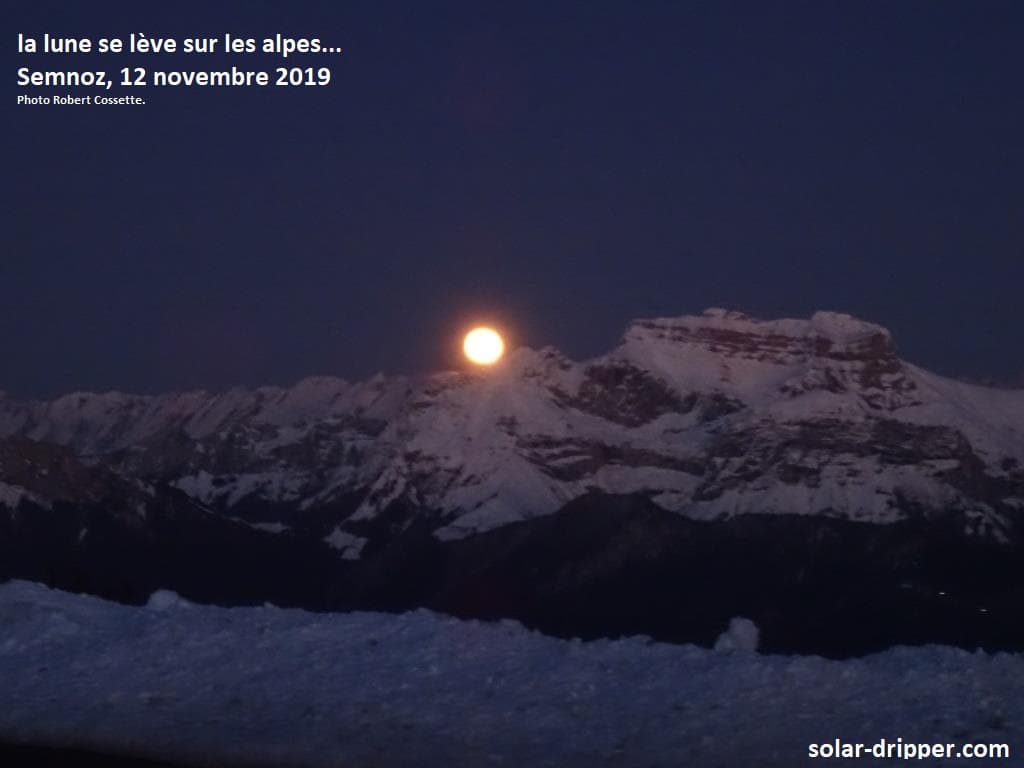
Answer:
[(271, 686)]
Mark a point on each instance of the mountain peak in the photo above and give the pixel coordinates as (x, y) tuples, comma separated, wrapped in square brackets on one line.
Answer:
[(838, 325), (718, 313), (835, 326)]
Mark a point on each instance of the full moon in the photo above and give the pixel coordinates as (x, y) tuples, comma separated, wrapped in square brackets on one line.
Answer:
[(483, 346)]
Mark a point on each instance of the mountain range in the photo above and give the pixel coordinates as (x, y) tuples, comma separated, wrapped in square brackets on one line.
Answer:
[(796, 471)]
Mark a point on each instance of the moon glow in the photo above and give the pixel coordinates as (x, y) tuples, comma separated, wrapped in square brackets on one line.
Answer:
[(483, 346)]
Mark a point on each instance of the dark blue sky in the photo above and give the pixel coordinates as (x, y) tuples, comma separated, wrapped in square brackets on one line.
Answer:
[(561, 167)]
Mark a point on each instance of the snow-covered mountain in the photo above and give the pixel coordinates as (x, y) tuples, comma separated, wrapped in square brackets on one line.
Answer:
[(708, 416), (808, 425)]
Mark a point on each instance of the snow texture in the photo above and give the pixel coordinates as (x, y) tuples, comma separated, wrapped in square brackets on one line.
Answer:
[(272, 686)]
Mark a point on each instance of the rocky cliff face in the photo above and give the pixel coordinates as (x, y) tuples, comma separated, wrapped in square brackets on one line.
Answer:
[(706, 419)]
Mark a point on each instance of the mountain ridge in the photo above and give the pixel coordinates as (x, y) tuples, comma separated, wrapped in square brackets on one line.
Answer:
[(709, 415)]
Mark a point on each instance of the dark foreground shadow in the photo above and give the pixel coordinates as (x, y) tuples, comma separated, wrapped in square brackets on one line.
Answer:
[(31, 755)]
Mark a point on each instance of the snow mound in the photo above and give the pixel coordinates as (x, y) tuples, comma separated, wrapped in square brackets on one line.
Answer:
[(166, 600), (742, 635)]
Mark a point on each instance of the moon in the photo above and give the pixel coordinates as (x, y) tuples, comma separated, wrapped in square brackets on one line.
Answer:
[(483, 346)]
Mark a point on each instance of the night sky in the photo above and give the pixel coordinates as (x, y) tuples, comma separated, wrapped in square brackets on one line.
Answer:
[(559, 168)]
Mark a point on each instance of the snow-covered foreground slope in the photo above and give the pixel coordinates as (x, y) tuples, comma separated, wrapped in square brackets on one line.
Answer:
[(271, 686)]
